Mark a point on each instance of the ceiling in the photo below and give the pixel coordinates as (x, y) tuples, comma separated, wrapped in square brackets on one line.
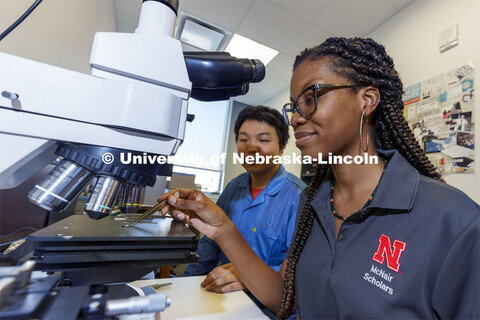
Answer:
[(288, 26)]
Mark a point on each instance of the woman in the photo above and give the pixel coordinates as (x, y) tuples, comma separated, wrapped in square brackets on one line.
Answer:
[(381, 240)]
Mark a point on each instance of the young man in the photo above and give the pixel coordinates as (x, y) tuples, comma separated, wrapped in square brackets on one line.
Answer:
[(261, 202)]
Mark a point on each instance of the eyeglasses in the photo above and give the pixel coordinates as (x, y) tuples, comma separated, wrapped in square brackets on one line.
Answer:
[(306, 103)]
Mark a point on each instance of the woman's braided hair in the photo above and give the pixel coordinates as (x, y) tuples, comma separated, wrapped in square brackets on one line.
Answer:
[(365, 62)]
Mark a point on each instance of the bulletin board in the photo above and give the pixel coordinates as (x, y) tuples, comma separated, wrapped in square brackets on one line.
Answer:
[(440, 112)]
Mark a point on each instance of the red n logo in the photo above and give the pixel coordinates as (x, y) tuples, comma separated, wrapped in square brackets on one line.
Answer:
[(385, 249)]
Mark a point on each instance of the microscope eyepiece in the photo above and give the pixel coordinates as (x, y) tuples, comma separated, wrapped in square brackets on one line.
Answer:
[(218, 94), (259, 70), (219, 76)]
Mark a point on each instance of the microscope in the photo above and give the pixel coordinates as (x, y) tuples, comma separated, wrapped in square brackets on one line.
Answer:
[(135, 101)]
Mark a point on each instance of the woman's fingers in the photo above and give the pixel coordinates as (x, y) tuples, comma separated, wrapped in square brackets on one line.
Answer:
[(171, 192), (193, 207), (184, 204)]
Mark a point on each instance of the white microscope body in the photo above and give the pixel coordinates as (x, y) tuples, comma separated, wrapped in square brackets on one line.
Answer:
[(136, 99)]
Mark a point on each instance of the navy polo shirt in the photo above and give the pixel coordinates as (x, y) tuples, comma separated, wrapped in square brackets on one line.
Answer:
[(412, 253)]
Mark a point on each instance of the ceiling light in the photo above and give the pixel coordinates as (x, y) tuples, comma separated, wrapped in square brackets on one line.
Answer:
[(242, 47), (201, 35)]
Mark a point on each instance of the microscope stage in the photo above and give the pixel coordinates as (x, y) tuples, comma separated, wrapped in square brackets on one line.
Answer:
[(79, 244)]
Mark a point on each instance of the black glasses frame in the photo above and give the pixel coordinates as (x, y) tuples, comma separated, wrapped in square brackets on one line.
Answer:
[(293, 107)]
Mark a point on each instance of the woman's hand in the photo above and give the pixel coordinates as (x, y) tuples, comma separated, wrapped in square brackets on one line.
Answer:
[(194, 207)]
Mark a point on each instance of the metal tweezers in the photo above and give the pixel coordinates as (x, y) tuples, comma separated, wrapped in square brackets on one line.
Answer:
[(152, 210)]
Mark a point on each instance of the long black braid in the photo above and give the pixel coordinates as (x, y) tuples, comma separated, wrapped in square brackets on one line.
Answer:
[(365, 62)]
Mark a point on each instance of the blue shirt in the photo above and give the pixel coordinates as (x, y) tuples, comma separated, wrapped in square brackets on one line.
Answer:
[(413, 253), (267, 222)]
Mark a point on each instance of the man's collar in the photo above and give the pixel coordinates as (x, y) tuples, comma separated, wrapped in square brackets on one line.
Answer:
[(273, 186)]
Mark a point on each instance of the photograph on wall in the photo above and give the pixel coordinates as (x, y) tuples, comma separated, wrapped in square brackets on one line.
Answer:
[(440, 112)]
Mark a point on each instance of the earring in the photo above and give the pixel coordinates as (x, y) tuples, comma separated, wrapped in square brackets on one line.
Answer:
[(361, 133)]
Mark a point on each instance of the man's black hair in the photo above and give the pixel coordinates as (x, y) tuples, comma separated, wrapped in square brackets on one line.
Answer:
[(264, 114)]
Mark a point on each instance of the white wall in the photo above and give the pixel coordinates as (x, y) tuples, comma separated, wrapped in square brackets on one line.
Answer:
[(58, 32), (411, 39)]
